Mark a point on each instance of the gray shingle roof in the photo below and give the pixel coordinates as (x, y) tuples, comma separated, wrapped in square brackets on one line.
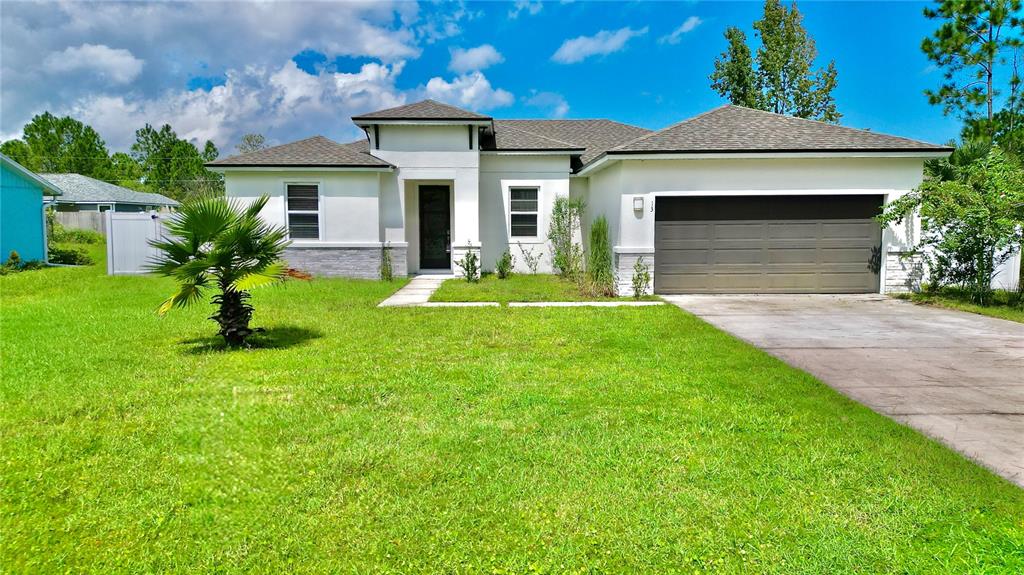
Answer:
[(737, 129), (422, 110), (76, 188), (594, 136), (508, 137), (317, 151)]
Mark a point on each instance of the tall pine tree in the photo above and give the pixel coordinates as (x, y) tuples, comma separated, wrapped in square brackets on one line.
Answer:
[(781, 78)]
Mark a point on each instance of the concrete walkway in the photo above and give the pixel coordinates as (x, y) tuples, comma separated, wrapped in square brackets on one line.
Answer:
[(417, 291), (955, 376)]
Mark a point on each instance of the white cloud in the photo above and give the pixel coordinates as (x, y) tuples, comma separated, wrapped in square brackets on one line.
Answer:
[(603, 43), (284, 104), (117, 65), (687, 26), (474, 59), (472, 91), (552, 103), (531, 8)]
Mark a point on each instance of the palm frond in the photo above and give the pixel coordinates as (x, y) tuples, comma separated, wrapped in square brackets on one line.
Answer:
[(187, 294), (268, 275)]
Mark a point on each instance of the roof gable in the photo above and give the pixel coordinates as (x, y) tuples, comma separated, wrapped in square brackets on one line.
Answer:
[(19, 171), (733, 128), (424, 110), (317, 151), (76, 188)]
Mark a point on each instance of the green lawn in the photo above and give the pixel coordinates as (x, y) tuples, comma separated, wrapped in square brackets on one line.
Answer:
[(459, 440), (957, 299), (517, 287)]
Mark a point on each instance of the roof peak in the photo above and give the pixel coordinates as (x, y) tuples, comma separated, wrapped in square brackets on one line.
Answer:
[(423, 110)]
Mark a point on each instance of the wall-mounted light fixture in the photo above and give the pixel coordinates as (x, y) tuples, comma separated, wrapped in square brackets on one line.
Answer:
[(638, 203)]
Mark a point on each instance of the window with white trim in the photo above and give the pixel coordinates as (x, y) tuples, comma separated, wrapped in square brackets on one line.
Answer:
[(304, 211), (523, 205)]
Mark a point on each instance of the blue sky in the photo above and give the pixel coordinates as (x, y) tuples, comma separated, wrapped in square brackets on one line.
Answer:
[(219, 70)]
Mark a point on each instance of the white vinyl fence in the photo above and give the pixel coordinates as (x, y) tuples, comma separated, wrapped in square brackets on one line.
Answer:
[(128, 236)]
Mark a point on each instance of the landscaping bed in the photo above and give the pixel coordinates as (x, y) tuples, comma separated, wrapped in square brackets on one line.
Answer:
[(1005, 305), (420, 440), (517, 288)]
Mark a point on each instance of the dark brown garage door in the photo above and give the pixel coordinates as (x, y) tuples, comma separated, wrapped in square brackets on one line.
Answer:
[(767, 244)]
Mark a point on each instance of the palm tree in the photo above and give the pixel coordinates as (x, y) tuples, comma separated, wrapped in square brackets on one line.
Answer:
[(212, 243)]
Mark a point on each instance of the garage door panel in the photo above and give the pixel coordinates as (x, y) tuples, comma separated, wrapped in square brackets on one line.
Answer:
[(737, 231), (805, 254)]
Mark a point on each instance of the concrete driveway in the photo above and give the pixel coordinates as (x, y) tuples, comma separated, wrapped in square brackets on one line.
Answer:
[(955, 376)]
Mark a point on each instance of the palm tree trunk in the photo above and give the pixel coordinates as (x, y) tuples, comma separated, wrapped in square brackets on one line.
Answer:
[(233, 315)]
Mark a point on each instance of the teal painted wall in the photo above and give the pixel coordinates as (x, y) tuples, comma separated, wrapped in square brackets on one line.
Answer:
[(21, 216)]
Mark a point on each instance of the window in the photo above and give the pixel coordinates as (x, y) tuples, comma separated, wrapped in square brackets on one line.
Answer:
[(304, 211), (524, 212), (104, 207)]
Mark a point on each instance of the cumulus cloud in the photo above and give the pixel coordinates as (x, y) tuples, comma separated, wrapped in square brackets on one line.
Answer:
[(472, 91), (553, 104), (601, 44), (689, 25), (127, 76), (114, 64), (531, 8), (474, 59)]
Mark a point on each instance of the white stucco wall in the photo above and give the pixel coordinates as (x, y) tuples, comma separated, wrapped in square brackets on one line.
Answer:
[(498, 173), (435, 155), (613, 189), (349, 201)]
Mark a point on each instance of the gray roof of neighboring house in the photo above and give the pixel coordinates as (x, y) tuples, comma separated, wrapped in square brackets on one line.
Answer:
[(422, 110), (732, 128), (594, 136), (317, 151), (79, 189)]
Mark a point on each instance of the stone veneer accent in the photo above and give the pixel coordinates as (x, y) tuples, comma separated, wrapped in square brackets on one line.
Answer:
[(624, 263), (349, 262), (904, 272)]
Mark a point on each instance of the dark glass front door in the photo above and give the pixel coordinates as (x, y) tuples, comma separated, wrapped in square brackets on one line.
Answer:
[(435, 227)]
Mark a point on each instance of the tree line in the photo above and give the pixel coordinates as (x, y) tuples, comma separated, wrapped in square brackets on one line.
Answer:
[(159, 161)]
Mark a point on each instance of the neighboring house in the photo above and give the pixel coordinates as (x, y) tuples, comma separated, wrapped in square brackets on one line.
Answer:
[(84, 194), (732, 200), (22, 220)]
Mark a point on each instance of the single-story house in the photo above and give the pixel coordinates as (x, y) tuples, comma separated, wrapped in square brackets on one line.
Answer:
[(22, 220), (84, 194), (731, 200)]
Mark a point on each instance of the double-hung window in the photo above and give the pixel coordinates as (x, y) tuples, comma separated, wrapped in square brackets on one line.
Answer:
[(523, 209), (304, 211)]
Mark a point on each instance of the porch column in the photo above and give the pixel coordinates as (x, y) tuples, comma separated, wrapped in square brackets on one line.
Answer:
[(466, 214)]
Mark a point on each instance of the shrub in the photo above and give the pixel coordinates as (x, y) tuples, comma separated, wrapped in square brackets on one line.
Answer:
[(76, 236), (530, 258), (969, 224), (69, 256), (504, 266), (386, 272), (599, 268), (641, 278), (470, 264), (15, 264), (566, 252), (56, 232)]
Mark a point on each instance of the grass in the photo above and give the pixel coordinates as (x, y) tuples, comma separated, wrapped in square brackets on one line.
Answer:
[(359, 439), (517, 287), (953, 298)]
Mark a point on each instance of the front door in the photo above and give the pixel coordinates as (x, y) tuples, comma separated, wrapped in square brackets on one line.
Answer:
[(435, 227)]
